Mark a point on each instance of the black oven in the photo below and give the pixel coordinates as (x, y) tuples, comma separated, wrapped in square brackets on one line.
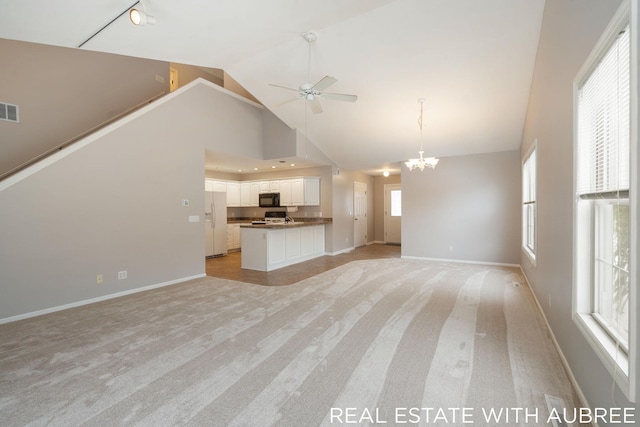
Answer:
[(269, 200)]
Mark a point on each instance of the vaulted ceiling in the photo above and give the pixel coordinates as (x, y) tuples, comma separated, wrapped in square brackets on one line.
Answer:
[(471, 60)]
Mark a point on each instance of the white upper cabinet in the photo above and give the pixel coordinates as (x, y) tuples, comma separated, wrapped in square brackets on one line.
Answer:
[(311, 191), (245, 194), (299, 191), (220, 186), (233, 194), (285, 193), (249, 193)]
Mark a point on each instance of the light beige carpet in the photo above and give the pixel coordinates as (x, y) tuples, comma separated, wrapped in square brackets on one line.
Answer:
[(369, 343)]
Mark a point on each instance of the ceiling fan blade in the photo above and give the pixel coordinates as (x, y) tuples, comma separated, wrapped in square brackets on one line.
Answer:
[(315, 106), (340, 97), (284, 87), (324, 83)]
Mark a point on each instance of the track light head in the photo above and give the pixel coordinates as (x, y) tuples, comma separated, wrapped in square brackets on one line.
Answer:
[(139, 17)]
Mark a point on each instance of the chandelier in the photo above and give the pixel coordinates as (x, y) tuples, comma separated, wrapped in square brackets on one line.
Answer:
[(421, 162)]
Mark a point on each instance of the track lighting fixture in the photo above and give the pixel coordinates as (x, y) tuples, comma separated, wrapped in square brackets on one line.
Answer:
[(139, 17)]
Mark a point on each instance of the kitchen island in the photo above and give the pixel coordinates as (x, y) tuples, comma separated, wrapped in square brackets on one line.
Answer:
[(267, 247)]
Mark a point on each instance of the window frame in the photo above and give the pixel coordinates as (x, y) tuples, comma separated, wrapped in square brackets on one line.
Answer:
[(623, 366), (530, 252)]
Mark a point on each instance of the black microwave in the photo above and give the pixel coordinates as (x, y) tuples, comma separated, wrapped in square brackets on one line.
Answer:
[(269, 200)]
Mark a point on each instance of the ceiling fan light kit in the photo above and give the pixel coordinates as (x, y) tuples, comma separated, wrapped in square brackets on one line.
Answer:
[(421, 162), (310, 92)]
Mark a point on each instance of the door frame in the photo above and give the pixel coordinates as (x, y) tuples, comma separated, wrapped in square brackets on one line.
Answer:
[(387, 208), (363, 227)]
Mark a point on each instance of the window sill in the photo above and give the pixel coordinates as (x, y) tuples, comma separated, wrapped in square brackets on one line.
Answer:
[(530, 255), (607, 350)]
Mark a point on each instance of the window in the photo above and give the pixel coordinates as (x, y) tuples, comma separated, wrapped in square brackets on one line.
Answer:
[(396, 202), (529, 203), (602, 213)]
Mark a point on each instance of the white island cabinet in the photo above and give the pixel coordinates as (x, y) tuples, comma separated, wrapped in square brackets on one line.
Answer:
[(267, 248)]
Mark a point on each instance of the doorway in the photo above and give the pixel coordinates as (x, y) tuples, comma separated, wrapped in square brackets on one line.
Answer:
[(393, 213), (359, 214)]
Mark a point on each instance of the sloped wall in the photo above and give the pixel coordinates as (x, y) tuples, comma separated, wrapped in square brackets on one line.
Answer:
[(114, 203), (63, 92)]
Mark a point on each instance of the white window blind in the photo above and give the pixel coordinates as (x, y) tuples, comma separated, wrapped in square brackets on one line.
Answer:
[(603, 123), (529, 203)]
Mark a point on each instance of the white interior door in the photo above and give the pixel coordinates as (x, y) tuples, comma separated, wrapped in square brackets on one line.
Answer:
[(393, 213), (359, 214)]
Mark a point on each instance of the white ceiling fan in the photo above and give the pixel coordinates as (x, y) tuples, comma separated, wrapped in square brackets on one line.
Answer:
[(312, 93)]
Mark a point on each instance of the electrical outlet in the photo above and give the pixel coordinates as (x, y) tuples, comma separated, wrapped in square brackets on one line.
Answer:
[(122, 275), (185, 202), (99, 279), (450, 248)]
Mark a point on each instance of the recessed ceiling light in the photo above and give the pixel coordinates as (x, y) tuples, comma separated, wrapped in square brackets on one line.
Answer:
[(273, 167), (255, 169), (385, 173), (293, 164)]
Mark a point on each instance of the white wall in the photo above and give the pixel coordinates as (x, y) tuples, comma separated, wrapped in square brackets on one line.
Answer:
[(469, 202), (115, 204), (570, 30)]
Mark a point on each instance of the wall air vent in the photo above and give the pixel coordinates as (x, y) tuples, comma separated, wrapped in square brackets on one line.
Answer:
[(9, 112)]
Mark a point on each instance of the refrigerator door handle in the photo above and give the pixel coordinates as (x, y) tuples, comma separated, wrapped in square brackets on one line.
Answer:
[(213, 209)]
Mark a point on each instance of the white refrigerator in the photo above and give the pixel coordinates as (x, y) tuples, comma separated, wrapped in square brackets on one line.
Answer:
[(215, 223)]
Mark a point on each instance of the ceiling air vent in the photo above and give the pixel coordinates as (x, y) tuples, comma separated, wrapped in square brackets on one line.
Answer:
[(9, 112)]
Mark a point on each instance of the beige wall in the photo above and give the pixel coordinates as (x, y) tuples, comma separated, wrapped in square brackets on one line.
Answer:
[(471, 203), (188, 73), (570, 30), (341, 233), (113, 203), (63, 92)]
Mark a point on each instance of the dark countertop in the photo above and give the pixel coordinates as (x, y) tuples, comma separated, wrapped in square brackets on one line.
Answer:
[(247, 220), (306, 223)]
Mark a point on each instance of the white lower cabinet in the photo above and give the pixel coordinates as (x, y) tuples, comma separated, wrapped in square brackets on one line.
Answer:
[(267, 249), (307, 246), (276, 246), (233, 237)]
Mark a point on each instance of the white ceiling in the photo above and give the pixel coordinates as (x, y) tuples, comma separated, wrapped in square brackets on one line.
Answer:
[(471, 59)]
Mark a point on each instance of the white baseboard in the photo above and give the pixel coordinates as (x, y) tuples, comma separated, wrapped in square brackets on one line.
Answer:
[(583, 400), (97, 299), (462, 261), (342, 251)]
